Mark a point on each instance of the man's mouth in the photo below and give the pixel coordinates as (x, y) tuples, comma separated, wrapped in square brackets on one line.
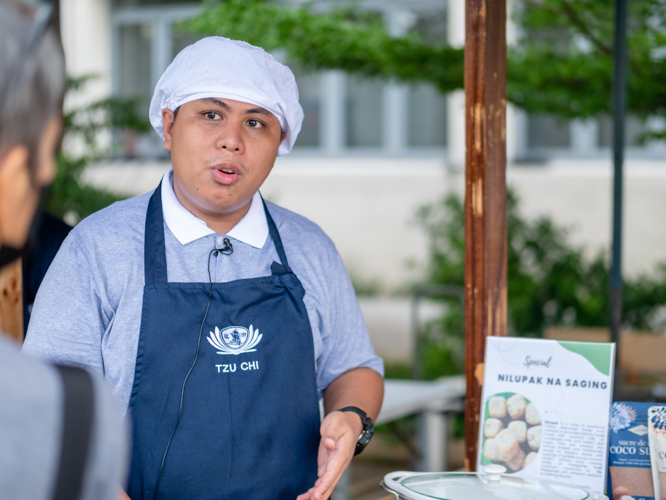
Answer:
[(225, 173)]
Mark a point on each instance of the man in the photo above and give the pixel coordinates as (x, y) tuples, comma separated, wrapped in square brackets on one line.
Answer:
[(220, 320), (62, 433)]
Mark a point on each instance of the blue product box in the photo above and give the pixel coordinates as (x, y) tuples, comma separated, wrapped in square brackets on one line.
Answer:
[(629, 451)]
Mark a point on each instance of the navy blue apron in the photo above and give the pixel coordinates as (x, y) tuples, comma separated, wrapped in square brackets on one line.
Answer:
[(249, 426)]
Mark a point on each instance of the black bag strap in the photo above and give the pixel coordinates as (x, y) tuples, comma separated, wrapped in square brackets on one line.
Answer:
[(77, 424)]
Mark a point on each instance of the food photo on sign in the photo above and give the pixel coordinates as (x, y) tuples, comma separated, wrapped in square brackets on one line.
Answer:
[(511, 431)]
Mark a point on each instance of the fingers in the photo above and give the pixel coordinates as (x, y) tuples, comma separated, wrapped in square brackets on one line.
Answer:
[(307, 495), (336, 449), (327, 484), (336, 462), (622, 493)]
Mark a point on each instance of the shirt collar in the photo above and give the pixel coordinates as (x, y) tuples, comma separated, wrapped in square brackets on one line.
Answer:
[(252, 229)]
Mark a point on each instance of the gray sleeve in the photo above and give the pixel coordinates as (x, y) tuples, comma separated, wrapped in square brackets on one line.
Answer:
[(108, 458), (345, 338), (31, 424), (70, 315)]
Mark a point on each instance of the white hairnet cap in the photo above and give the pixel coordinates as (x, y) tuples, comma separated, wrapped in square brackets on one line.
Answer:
[(230, 69)]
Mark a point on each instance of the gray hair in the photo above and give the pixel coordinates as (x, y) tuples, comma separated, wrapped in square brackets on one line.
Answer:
[(27, 108)]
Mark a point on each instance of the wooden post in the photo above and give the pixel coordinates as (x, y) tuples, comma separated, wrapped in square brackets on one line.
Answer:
[(485, 198), (11, 301)]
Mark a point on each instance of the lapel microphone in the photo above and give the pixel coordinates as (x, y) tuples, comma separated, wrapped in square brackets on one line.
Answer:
[(227, 249)]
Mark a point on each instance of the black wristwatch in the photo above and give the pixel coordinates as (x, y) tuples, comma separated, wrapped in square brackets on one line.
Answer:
[(368, 428)]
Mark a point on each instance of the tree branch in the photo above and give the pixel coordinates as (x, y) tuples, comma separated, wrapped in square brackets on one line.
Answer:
[(567, 11)]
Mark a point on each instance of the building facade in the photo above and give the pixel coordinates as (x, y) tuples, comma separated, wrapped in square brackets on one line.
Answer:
[(371, 151)]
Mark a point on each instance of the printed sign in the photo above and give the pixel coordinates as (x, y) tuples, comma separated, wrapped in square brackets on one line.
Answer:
[(545, 409)]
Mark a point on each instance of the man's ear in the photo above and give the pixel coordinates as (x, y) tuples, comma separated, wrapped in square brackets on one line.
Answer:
[(168, 122), (283, 134)]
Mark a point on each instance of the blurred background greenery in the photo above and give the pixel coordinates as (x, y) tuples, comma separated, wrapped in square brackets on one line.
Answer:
[(68, 197), (551, 283)]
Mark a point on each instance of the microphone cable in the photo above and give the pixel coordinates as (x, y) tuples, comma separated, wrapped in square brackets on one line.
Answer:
[(226, 250)]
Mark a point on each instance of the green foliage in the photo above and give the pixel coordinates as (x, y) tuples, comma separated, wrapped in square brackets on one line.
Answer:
[(397, 370), (561, 64), (364, 287), (550, 282), (644, 299), (342, 38), (442, 354), (68, 194)]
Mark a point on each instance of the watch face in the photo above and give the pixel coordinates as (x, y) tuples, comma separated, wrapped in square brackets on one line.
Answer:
[(365, 437)]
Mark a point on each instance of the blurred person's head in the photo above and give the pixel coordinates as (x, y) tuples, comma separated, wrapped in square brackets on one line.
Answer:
[(32, 87)]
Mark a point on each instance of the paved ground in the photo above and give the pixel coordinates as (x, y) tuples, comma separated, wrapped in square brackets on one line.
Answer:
[(366, 478)]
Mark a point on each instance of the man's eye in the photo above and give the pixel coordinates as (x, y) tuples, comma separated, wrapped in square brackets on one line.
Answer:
[(254, 123), (211, 115)]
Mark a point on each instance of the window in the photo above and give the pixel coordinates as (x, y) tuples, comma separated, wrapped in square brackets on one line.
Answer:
[(309, 90), (633, 130), (426, 127), (135, 55), (136, 61), (431, 25), (545, 132), (144, 44), (364, 112), (427, 117), (136, 3), (182, 39)]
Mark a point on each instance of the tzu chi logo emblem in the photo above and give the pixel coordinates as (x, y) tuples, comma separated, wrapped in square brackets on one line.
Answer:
[(235, 339)]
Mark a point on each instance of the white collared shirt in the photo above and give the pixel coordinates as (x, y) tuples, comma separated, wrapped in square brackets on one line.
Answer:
[(252, 229)]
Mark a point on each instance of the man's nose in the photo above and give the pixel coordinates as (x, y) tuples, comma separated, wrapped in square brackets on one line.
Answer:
[(230, 139)]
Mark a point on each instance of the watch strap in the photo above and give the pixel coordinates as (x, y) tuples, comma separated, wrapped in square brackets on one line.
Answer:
[(368, 427)]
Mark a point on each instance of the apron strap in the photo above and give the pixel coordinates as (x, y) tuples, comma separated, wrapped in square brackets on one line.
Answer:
[(154, 252), (277, 241)]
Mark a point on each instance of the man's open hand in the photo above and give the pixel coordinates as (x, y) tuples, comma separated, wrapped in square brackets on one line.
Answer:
[(339, 434)]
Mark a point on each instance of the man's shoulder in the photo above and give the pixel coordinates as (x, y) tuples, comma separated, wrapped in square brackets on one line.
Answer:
[(116, 225), (119, 216), (307, 246), (297, 225)]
